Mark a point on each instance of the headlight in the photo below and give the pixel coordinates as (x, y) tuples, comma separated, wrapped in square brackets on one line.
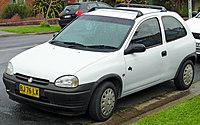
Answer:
[(67, 81), (9, 69)]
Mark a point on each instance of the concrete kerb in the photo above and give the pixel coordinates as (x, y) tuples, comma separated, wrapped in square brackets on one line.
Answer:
[(135, 112), (6, 34)]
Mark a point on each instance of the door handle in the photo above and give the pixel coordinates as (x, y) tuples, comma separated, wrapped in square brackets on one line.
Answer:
[(164, 53)]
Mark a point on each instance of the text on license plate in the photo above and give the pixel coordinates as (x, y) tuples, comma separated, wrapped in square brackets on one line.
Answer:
[(29, 90)]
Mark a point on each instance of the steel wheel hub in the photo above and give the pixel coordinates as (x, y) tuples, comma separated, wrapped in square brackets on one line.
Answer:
[(188, 74), (107, 101)]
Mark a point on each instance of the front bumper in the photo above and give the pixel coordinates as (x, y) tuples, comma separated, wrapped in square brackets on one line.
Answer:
[(65, 101), (198, 46)]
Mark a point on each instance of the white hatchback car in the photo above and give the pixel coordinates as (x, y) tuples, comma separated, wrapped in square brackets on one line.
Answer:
[(194, 25), (102, 56)]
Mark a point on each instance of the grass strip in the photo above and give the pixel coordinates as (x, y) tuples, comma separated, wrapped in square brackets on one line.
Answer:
[(31, 29), (185, 113)]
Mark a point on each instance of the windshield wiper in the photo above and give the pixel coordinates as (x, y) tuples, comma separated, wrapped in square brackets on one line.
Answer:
[(73, 44), (103, 47), (66, 44), (55, 41)]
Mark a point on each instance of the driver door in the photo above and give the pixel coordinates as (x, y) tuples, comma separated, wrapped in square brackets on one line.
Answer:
[(145, 69)]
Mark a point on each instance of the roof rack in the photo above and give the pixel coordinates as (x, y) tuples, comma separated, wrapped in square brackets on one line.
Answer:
[(163, 9), (138, 11)]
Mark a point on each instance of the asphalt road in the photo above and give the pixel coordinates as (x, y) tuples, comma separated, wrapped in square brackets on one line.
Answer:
[(13, 113)]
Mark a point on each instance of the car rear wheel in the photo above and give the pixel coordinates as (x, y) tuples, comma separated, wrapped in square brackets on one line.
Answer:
[(103, 102), (185, 77)]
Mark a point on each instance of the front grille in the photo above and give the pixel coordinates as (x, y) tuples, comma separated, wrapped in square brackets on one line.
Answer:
[(198, 49), (196, 35), (34, 80), (198, 45)]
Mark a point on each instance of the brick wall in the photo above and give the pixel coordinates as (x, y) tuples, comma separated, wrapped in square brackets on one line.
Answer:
[(29, 3), (3, 3)]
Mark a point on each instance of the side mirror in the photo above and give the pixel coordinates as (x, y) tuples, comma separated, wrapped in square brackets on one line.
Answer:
[(134, 48), (194, 13), (55, 34)]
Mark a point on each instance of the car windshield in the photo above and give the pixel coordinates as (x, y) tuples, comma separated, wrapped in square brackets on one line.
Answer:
[(95, 33)]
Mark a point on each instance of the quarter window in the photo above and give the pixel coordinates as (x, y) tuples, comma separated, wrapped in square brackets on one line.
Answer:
[(148, 33), (173, 28)]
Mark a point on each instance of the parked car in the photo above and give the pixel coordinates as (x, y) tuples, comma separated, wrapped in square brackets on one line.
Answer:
[(71, 11), (194, 25), (102, 56)]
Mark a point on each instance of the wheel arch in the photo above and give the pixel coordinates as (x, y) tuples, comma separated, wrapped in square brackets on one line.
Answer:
[(192, 57), (115, 79)]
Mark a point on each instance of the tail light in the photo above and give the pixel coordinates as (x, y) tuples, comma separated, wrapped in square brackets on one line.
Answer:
[(79, 12)]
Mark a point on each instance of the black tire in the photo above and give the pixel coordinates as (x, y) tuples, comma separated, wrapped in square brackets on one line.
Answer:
[(198, 58), (95, 111), (185, 76)]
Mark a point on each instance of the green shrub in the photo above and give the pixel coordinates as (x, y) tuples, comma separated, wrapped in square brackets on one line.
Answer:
[(30, 13), (44, 24), (183, 11), (12, 9)]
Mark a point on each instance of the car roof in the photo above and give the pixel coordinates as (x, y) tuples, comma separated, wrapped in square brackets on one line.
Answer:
[(143, 10), (131, 11), (114, 13)]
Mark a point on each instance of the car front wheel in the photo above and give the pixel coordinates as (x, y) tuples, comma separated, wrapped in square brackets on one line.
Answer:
[(103, 102)]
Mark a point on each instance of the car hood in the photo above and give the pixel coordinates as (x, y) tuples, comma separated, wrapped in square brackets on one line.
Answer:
[(49, 62), (193, 24)]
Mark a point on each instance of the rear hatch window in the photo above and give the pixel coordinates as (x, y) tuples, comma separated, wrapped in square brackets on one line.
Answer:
[(72, 7)]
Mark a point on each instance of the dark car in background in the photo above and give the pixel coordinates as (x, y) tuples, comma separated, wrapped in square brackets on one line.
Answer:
[(71, 11)]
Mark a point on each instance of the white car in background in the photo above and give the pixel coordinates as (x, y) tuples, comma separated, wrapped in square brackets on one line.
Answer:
[(194, 25)]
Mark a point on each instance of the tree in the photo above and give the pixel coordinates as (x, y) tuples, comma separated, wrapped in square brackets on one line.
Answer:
[(179, 6), (49, 8), (133, 1), (51, 4)]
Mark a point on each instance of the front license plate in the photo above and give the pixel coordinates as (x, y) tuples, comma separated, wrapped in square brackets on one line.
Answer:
[(29, 90)]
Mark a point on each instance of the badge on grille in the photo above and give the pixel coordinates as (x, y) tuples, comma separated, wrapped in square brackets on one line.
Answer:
[(30, 80)]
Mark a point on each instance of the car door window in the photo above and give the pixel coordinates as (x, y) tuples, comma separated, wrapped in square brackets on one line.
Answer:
[(91, 5), (173, 28), (148, 33)]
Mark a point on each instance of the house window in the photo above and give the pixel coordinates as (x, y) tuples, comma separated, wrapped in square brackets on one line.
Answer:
[(17, 1), (12, 1)]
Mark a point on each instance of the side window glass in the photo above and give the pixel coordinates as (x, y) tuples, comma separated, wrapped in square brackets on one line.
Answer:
[(173, 28), (148, 33), (91, 5)]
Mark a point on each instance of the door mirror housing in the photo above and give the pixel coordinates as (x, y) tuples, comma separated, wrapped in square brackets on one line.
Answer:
[(134, 48), (55, 34)]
